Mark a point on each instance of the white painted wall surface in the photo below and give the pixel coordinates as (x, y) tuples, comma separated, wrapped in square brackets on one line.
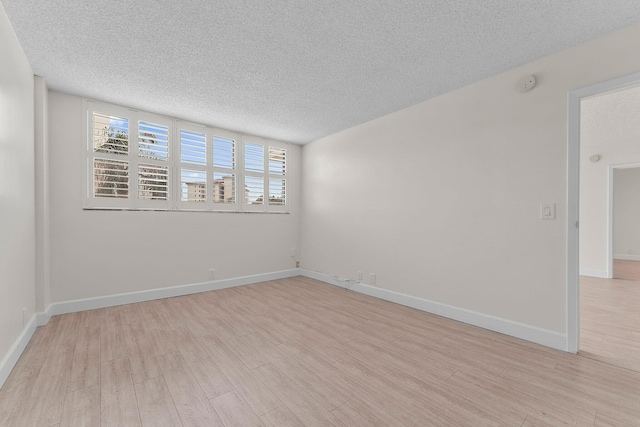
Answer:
[(98, 253), (610, 128), (441, 200), (626, 213), (43, 266), (17, 211)]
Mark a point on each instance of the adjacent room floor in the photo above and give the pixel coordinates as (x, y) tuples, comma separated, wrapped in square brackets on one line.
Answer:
[(299, 352), (626, 269), (610, 316)]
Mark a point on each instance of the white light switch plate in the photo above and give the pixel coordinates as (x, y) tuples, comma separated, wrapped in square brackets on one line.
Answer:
[(547, 210)]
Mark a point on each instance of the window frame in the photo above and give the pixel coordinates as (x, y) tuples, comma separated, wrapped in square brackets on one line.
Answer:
[(174, 165)]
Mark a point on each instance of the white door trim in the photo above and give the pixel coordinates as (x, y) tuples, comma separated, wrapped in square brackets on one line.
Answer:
[(573, 193)]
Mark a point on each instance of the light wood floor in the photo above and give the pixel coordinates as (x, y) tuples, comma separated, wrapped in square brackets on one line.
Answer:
[(610, 321), (297, 352), (626, 269)]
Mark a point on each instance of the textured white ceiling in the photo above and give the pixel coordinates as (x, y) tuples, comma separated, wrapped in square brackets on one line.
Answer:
[(610, 121), (293, 70)]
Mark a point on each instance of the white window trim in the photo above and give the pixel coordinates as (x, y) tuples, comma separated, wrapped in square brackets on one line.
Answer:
[(174, 163)]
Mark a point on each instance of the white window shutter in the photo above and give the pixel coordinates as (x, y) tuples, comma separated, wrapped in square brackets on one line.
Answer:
[(193, 167), (137, 160), (224, 181)]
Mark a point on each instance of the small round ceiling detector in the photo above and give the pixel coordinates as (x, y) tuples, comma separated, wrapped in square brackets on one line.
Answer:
[(526, 83)]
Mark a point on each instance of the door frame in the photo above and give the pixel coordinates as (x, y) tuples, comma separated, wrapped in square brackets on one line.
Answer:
[(573, 198)]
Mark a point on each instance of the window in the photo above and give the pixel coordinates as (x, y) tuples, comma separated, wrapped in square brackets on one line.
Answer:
[(224, 170), (136, 160), (153, 161), (277, 173), (265, 174), (207, 168), (193, 170)]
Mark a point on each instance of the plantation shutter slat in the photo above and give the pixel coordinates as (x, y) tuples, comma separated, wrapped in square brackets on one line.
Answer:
[(277, 192), (253, 157), (110, 134), (193, 147), (153, 182), (277, 161), (153, 141), (110, 178), (254, 190), (224, 153)]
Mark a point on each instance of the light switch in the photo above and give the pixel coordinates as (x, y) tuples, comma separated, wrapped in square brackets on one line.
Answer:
[(547, 210)]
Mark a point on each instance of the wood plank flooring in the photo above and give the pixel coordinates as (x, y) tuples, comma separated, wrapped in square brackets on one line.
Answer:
[(297, 352), (626, 269), (610, 321)]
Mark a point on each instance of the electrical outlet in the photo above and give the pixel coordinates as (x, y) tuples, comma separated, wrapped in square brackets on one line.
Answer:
[(297, 264), (359, 279), (372, 278), (212, 273)]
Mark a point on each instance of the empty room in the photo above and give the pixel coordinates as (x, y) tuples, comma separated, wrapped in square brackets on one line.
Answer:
[(287, 213)]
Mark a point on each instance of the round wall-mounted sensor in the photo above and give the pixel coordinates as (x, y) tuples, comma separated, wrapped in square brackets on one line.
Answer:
[(526, 83), (594, 158)]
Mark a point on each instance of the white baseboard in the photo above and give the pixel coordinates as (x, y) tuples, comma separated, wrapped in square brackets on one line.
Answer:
[(602, 274), (11, 358), (43, 317), (627, 257), (519, 330), (153, 294), (40, 319)]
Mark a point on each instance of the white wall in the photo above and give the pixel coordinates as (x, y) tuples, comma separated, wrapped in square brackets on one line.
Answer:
[(43, 266), (441, 200), (626, 213), (17, 211), (610, 128), (98, 253)]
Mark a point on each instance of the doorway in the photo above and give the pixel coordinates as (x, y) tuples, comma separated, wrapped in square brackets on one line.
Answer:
[(625, 224), (604, 127)]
